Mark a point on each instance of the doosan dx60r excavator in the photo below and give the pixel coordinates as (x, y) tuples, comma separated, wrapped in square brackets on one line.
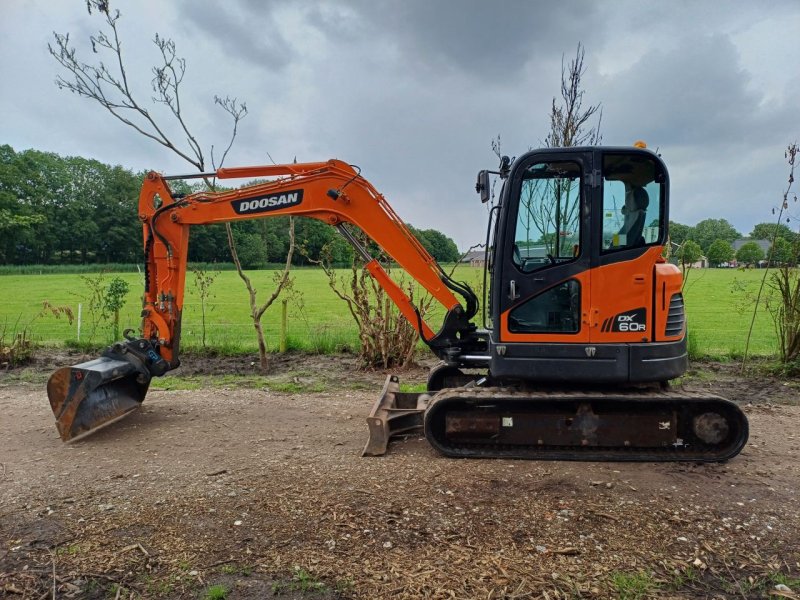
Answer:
[(582, 324)]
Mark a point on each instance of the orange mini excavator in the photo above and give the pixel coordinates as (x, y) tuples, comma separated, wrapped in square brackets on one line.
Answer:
[(581, 328)]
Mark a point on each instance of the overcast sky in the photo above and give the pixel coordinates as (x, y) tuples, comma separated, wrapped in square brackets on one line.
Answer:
[(413, 91)]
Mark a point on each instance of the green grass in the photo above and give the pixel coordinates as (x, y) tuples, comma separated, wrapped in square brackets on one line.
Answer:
[(632, 586), (413, 387), (216, 592), (719, 306), (716, 303), (322, 325)]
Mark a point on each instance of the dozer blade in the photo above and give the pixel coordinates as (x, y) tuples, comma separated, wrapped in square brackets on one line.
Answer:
[(91, 395), (394, 413)]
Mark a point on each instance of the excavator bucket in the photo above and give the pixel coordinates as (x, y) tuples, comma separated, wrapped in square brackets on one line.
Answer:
[(88, 396)]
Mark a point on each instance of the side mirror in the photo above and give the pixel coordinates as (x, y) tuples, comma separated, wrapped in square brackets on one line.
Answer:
[(482, 186)]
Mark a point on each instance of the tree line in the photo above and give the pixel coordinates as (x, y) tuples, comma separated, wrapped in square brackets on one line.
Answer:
[(713, 238), (74, 210)]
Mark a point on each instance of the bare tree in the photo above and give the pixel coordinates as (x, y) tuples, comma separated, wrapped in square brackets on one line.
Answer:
[(570, 125), (569, 120), (109, 85)]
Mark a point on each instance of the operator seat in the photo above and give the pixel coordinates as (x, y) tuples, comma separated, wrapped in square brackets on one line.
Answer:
[(635, 214)]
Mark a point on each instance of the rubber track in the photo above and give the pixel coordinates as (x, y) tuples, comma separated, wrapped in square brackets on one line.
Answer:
[(649, 399)]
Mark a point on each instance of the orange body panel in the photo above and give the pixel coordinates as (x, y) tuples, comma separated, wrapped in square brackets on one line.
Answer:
[(621, 287), (331, 192), (609, 290)]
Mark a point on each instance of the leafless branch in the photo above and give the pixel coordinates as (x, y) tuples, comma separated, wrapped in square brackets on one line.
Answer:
[(110, 88), (569, 120), (238, 111)]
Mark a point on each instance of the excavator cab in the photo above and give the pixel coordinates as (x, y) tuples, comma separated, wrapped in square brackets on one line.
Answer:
[(580, 290)]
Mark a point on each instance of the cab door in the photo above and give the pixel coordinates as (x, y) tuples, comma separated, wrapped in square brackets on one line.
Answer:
[(543, 251), (630, 216)]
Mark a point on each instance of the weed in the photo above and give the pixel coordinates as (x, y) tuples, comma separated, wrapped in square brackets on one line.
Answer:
[(16, 347), (305, 582), (68, 550), (302, 581), (217, 592), (234, 569), (683, 578), (345, 586), (632, 586), (116, 590), (784, 579), (161, 588), (692, 346)]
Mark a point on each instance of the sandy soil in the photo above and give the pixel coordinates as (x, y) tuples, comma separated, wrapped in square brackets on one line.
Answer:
[(265, 493)]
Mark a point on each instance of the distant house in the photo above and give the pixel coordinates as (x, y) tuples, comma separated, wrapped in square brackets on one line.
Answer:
[(701, 263), (475, 258), (763, 244)]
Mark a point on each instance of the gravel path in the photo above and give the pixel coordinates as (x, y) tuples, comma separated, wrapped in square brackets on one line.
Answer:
[(264, 493)]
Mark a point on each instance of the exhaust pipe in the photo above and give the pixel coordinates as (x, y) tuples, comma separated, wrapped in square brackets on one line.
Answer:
[(91, 395)]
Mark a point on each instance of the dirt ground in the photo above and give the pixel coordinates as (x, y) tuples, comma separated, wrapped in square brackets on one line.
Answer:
[(236, 490)]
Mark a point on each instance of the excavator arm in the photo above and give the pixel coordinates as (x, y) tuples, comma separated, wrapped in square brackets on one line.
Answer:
[(90, 395)]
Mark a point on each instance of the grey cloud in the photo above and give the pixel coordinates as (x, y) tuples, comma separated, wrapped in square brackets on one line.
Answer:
[(253, 37), (694, 93), (485, 38)]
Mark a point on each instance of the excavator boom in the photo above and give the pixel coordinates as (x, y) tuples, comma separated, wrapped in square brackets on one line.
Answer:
[(94, 394)]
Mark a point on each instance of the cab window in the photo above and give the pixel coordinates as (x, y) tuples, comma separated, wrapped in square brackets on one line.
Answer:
[(548, 218), (557, 310), (632, 202)]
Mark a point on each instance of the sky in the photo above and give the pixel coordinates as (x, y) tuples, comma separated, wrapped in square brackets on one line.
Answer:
[(414, 91)]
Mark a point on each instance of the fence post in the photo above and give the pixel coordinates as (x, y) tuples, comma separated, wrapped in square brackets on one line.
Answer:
[(80, 307), (284, 304)]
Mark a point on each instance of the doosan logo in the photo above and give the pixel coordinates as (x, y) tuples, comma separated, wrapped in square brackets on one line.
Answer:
[(267, 203)]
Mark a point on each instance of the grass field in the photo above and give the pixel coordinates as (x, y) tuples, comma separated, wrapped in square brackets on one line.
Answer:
[(717, 306)]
